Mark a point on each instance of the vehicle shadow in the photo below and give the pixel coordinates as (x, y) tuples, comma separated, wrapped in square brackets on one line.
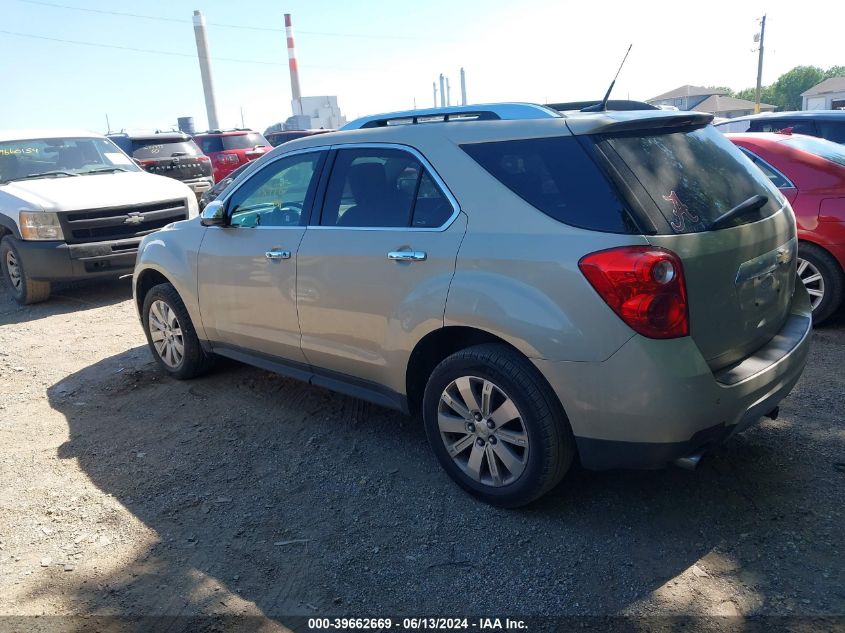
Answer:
[(65, 298), (268, 492)]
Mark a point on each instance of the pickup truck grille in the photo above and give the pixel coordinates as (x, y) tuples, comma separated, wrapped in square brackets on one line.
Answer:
[(118, 223)]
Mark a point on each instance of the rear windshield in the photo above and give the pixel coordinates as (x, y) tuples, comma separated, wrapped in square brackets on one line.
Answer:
[(155, 148), (247, 140), (834, 152), (694, 177), (558, 177)]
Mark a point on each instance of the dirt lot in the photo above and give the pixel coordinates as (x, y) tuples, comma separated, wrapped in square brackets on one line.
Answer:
[(127, 493)]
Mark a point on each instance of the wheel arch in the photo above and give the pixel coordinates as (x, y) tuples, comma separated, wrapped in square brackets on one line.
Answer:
[(436, 346), (145, 281)]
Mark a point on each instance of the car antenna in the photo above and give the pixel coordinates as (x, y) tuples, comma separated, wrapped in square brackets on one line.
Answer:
[(602, 105)]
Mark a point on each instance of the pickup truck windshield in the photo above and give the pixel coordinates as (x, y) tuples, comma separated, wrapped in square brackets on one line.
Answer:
[(54, 157)]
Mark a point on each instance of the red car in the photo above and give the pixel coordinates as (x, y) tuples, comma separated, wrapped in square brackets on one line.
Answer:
[(229, 149), (810, 172)]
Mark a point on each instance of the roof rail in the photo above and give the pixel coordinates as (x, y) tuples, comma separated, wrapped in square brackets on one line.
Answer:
[(480, 112)]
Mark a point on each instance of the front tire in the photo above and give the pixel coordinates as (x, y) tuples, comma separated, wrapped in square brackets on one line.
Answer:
[(171, 334), (24, 289), (496, 426), (822, 277)]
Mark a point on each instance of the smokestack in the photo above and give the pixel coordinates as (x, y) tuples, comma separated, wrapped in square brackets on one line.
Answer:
[(442, 93), (434, 86), (448, 93), (205, 70), (463, 87), (295, 92)]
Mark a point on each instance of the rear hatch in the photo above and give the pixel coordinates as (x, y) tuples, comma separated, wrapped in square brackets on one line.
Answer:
[(254, 144), (740, 274), (179, 159)]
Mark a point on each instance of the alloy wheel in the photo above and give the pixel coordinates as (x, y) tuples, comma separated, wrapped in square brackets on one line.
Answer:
[(483, 431), (166, 334), (14, 270), (813, 281)]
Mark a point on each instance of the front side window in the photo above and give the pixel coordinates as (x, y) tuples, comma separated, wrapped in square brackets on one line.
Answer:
[(385, 188), (277, 195), (60, 157)]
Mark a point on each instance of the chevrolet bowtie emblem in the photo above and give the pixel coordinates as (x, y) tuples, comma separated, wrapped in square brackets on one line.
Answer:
[(133, 218)]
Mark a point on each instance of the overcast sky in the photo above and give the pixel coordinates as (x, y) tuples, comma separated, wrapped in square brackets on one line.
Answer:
[(382, 56)]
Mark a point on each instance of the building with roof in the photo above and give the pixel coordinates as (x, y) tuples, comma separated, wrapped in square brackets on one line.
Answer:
[(711, 100), (828, 95)]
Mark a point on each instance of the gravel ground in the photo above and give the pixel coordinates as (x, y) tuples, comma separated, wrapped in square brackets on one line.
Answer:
[(244, 493)]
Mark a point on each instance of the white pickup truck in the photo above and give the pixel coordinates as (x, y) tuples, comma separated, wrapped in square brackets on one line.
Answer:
[(74, 206)]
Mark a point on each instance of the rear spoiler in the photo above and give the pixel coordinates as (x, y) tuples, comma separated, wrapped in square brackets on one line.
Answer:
[(626, 122)]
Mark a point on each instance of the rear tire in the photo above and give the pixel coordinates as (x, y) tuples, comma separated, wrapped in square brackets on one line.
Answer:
[(171, 335), (822, 273), (24, 289), (531, 446)]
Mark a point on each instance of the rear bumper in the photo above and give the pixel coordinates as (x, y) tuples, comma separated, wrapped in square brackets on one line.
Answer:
[(58, 261), (654, 401), (200, 185)]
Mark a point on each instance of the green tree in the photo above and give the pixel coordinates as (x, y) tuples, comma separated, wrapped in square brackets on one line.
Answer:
[(786, 91), (723, 89), (834, 71)]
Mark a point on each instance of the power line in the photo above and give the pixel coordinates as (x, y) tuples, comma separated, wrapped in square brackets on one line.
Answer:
[(223, 25), (169, 53)]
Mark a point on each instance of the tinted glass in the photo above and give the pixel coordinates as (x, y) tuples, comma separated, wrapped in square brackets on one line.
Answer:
[(696, 176), (798, 126), (820, 147), (211, 144), (431, 208), (558, 177), (154, 148), (371, 188), (777, 178), (243, 141), (277, 194), (832, 130)]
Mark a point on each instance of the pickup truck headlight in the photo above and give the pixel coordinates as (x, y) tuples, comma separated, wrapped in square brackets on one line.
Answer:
[(40, 225)]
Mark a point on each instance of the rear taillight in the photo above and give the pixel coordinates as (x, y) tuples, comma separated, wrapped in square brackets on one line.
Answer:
[(227, 159), (644, 285), (146, 163), (203, 159)]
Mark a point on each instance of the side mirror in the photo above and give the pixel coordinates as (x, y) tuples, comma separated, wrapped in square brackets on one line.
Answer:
[(214, 214)]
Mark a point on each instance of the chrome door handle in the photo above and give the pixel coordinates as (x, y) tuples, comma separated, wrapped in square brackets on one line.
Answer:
[(277, 254), (407, 256)]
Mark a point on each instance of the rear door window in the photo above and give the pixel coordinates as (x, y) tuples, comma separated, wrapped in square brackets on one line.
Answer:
[(558, 177), (694, 177), (211, 144)]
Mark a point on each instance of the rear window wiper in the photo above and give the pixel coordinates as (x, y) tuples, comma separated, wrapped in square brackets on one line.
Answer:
[(44, 174), (752, 204)]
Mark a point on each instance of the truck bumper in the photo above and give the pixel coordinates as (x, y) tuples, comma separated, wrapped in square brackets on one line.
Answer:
[(655, 401), (59, 261)]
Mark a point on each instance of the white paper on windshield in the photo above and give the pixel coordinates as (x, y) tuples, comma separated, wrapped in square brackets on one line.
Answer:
[(117, 158)]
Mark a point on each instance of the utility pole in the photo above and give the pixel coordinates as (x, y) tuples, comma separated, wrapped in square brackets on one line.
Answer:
[(448, 93), (108, 125), (243, 125), (434, 86), (760, 66), (442, 92), (463, 87)]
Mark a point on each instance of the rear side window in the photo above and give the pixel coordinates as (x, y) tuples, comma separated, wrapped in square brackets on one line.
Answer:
[(154, 148), (778, 179), (694, 177), (558, 177)]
